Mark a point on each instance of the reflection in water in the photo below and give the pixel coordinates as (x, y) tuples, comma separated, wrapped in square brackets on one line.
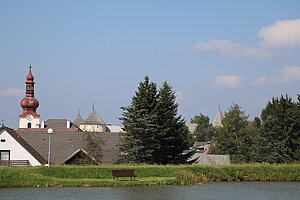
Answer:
[(226, 191)]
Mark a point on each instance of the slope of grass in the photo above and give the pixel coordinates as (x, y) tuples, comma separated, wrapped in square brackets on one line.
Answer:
[(64, 175)]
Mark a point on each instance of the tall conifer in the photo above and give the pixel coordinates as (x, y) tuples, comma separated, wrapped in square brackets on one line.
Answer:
[(173, 135), (280, 131), (140, 125), (153, 131)]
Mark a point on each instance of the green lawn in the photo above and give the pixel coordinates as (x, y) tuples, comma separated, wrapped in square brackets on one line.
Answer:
[(85, 176)]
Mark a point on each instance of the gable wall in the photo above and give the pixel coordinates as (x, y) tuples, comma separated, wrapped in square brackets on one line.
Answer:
[(17, 151)]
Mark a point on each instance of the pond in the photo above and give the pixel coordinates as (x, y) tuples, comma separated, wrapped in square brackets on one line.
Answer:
[(224, 191)]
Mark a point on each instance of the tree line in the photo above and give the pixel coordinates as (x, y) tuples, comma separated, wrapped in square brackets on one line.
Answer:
[(274, 137), (155, 134)]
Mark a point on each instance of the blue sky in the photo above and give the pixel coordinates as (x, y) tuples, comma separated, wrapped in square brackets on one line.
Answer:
[(211, 52)]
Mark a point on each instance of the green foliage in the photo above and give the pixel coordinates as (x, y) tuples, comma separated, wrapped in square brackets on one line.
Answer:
[(173, 135), (154, 132), (201, 120), (280, 136), (204, 130), (140, 121), (184, 177), (93, 146), (237, 137), (100, 175)]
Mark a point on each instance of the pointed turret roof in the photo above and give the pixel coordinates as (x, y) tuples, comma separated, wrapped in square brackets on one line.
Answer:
[(218, 118), (93, 119), (78, 119)]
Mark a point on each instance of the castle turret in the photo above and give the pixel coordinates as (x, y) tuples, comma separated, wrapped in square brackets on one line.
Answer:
[(93, 123)]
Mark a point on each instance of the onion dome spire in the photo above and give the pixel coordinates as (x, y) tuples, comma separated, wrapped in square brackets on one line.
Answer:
[(29, 103)]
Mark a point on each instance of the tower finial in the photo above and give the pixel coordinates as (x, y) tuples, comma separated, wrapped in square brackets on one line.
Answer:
[(93, 106), (78, 111)]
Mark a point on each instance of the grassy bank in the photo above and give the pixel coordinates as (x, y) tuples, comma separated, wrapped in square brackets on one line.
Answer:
[(146, 174)]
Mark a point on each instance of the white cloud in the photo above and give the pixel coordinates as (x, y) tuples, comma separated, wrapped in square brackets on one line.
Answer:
[(288, 74), (285, 33), (260, 80), (228, 81), (230, 49), (11, 92), (291, 73)]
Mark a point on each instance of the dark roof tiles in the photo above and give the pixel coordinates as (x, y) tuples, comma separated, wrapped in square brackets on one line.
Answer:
[(65, 143), (25, 144)]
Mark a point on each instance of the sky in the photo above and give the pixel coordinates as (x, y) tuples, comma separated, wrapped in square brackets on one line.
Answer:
[(213, 53)]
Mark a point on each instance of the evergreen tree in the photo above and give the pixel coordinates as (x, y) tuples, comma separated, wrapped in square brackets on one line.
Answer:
[(173, 136), (140, 121), (280, 131), (295, 136), (153, 131)]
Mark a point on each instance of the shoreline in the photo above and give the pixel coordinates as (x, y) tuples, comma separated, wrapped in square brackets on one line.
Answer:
[(147, 175)]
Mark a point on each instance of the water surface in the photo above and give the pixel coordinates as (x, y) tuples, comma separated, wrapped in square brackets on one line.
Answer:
[(224, 191)]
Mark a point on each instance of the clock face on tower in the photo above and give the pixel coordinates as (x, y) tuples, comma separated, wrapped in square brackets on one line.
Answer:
[(29, 117)]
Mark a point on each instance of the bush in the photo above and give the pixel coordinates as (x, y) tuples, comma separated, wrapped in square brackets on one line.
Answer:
[(185, 178)]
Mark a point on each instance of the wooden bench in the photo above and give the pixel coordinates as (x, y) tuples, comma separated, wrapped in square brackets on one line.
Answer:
[(123, 173)]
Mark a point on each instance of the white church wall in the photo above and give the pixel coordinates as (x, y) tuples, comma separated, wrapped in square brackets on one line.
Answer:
[(23, 122)]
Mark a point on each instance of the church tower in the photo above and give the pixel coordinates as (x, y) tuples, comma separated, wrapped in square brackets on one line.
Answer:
[(218, 118), (29, 118)]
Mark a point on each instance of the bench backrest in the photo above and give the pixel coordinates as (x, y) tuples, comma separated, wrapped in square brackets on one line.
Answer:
[(123, 172)]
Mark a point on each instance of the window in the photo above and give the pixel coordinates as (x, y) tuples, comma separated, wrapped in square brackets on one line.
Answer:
[(2, 140), (4, 155), (29, 125)]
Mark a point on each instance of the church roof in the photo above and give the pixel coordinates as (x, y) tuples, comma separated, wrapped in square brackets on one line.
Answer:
[(93, 119), (218, 118)]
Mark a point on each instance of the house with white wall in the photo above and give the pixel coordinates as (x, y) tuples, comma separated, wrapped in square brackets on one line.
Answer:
[(16, 151)]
